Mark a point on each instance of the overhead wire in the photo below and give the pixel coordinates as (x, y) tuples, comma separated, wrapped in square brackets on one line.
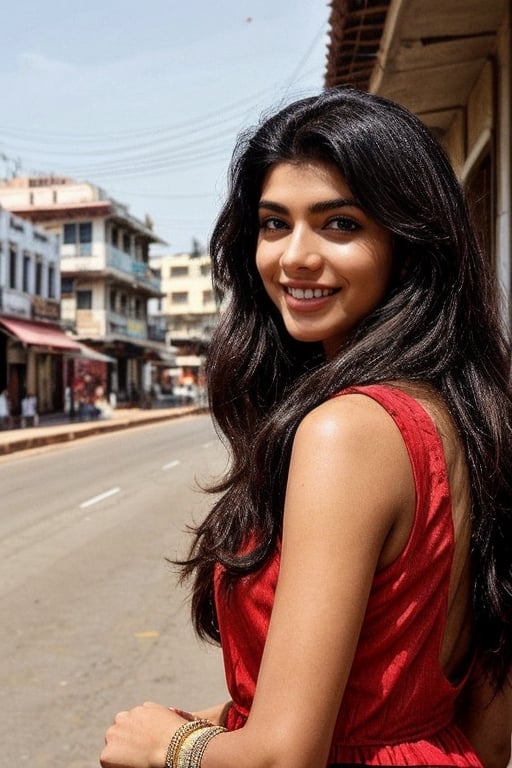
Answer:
[(150, 152)]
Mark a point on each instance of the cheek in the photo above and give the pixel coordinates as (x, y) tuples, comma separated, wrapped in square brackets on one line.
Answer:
[(263, 264)]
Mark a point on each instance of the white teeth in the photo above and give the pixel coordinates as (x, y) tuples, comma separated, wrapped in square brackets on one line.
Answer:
[(309, 293)]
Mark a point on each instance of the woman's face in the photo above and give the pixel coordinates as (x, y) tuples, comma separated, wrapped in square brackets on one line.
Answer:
[(325, 264)]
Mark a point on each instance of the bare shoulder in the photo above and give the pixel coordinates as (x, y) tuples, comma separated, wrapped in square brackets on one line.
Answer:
[(353, 422), (350, 453)]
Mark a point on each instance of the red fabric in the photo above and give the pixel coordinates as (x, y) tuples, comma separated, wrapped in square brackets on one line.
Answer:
[(398, 707)]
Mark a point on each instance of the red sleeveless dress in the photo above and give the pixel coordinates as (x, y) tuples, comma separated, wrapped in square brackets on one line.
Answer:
[(398, 707)]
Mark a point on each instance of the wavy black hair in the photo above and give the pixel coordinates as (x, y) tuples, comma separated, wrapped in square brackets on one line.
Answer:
[(439, 325)]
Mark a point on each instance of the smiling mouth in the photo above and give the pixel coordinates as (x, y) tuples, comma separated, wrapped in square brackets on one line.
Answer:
[(309, 293)]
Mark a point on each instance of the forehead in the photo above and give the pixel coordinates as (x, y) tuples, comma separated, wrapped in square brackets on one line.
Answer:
[(309, 178)]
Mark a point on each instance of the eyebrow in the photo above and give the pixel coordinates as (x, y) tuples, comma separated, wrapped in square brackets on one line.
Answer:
[(320, 207)]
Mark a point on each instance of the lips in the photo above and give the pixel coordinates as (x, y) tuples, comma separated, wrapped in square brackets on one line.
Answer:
[(309, 293)]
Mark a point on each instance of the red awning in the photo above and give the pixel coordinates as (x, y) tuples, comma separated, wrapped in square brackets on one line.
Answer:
[(39, 334)]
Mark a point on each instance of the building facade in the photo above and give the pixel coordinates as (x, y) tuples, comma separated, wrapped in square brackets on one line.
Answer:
[(449, 62), (188, 311), (106, 279), (34, 350)]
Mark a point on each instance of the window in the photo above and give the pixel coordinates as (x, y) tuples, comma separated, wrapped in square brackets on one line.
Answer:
[(51, 282), (39, 278), (113, 300), (178, 272), (85, 232), (16, 224), (84, 299), (66, 285), (180, 297), (27, 269), (76, 233), (126, 242), (206, 269), (207, 297), (69, 234), (13, 263)]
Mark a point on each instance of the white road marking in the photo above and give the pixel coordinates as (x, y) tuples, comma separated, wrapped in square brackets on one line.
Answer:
[(171, 464), (100, 497)]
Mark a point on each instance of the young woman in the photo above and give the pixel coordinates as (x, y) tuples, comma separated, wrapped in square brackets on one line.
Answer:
[(357, 567)]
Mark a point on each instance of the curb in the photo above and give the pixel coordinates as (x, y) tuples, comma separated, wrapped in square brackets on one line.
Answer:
[(63, 433)]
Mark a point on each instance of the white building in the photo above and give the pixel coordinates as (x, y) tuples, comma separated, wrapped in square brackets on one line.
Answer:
[(33, 347), (187, 308)]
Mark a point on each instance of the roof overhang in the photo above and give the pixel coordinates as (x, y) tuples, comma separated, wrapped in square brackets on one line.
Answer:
[(429, 54), (58, 212)]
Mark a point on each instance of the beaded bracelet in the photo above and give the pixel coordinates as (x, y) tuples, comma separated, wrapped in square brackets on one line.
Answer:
[(177, 740)]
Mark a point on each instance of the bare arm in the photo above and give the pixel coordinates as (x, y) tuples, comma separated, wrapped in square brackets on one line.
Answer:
[(487, 720), (345, 495)]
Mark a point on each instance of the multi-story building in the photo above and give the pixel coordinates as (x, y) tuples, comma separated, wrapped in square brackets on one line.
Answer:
[(34, 350), (187, 308), (106, 279)]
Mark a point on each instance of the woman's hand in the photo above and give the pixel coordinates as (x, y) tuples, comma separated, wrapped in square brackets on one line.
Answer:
[(139, 737)]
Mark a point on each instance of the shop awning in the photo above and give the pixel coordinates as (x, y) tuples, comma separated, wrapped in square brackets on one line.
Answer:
[(39, 334), (128, 346), (88, 353)]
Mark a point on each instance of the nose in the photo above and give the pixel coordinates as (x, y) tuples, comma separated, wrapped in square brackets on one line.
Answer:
[(300, 251)]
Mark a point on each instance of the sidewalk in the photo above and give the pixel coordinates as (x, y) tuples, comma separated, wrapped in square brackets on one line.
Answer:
[(59, 429)]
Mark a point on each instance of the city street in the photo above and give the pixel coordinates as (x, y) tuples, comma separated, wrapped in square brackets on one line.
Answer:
[(92, 618)]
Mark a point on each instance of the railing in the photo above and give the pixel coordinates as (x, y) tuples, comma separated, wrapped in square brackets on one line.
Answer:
[(125, 263)]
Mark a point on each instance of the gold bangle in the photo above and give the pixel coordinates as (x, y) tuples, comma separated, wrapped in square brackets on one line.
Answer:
[(185, 749), (193, 745), (179, 736), (201, 742)]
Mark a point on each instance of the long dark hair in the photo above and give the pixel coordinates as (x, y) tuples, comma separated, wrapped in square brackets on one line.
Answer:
[(439, 325)]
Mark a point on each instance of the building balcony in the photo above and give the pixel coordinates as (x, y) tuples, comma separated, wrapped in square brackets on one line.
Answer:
[(98, 323), (83, 257), (138, 270)]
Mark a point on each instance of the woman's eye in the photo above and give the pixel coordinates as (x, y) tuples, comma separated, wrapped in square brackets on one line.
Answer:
[(272, 224), (343, 224)]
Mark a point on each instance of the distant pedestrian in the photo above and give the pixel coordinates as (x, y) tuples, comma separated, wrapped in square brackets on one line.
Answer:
[(5, 410), (29, 414)]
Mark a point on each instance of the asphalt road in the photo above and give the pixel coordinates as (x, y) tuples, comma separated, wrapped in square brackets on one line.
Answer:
[(92, 618)]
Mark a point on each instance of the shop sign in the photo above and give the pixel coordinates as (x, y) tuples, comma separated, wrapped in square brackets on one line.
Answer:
[(136, 329), (45, 309), (13, 303)]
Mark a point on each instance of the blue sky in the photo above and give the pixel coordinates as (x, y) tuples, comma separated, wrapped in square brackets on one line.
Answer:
[(146, 99)]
